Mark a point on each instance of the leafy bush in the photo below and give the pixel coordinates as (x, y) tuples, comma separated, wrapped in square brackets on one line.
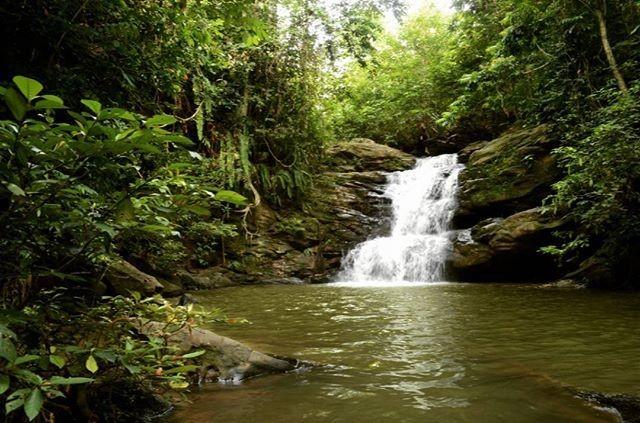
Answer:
[(45, 360), (601, 190), (207, 240), (73, 187), (69, 187)]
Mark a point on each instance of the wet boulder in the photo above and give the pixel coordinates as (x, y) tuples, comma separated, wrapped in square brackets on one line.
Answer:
[(465, 154), (205, 279), (506, 249), (627, 407)]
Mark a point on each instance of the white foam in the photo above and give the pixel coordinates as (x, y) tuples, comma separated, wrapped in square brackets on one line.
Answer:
[(423, 202)]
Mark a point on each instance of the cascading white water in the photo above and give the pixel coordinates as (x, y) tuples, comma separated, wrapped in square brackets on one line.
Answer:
[(423, 201)]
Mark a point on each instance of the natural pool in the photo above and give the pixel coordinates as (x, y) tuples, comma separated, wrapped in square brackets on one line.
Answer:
[(427, 353)]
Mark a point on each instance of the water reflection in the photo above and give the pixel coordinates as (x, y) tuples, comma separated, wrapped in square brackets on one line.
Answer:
[(430, 353)]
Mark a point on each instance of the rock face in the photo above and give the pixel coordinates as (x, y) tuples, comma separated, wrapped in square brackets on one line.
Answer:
[(626, 406), (510, 174), (502, 225), (500, 249), (362, 155), (344, 208)]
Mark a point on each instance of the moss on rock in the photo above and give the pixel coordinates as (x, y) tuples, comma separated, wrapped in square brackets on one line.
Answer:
[(509, 174)]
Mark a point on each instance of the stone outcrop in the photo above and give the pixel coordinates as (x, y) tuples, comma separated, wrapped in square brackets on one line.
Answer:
[(609, 269), (345, 206), (364, 155), (510, 174), (627, 407), (123, 278), (500, 249), (501, 225)]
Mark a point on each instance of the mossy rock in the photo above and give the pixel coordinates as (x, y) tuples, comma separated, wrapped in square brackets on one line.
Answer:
[(507, 175), (361, 154)]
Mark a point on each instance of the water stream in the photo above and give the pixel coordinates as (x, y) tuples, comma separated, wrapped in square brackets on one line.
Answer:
[(423, 203), (397, 347)]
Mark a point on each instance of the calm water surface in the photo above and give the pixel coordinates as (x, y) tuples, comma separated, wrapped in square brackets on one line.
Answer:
[(431, 353)]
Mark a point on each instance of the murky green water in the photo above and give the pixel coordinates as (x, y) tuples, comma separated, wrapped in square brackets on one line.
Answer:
[(435, 353)]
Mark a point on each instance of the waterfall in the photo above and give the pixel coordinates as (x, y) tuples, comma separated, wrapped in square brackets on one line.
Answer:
[(423, 201)]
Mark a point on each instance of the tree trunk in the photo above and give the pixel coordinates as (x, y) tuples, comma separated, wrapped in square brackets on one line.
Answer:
[(607, 49)]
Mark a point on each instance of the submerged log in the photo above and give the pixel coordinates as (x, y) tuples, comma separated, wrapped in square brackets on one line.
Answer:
[(225, 358)]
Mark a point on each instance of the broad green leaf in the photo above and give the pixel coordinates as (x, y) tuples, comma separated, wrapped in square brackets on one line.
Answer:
[(78, 117), (108, 229), (116, 113), (109, 356), (28, 376), (26, 359), (193, 354), (4, 330), (92, 105), (231, 197), (54, 393), (134, 370), (18, 393), (7, 349), (33, 404), (91, 364), (57, 360), (57, 380), (4, 383), (16, 103), (53, 98), (16, 190), (13, 405), (30, 88), (160, 120)]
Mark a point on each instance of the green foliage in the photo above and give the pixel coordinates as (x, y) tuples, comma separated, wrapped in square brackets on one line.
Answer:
[(43, 359), (207, 238), (69, 188), (399, 94), (74, 187), (293, 226), (601, 190)]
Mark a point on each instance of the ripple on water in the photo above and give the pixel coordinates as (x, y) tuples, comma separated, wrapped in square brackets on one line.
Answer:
[(450, 353)]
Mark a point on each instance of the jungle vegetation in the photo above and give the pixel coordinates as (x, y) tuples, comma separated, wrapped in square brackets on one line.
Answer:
[(148, 129)]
